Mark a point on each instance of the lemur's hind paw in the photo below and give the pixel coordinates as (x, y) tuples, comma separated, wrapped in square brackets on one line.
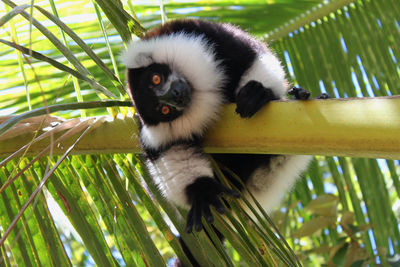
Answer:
[(203, 193), (252, 97), (299, 93)]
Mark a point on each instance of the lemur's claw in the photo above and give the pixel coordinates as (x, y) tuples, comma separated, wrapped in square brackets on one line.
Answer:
[(299, 93), (203, 193), (323, 96), (302, 94)]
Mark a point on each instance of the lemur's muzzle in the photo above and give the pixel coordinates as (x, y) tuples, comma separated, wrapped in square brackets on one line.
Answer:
[(178, 95)]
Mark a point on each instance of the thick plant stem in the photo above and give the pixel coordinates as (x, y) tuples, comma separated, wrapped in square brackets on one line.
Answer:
[(358, 127)]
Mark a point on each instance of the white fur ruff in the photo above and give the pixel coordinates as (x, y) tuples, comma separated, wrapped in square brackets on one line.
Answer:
[(268, 186), (267, 70), (193, 58), (177, 168)]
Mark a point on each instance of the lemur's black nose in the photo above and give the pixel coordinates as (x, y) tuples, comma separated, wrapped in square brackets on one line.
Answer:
[(180, 91), (178, 95), (176, 91)]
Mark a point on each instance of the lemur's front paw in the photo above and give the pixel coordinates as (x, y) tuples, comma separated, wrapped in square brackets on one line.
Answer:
[(252, 97), (299, 93), (203, 193)]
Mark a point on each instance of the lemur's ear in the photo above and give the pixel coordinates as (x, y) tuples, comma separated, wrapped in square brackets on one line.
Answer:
[(144, 59)]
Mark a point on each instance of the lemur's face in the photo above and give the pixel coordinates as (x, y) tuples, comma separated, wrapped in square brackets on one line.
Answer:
[(159, 93)]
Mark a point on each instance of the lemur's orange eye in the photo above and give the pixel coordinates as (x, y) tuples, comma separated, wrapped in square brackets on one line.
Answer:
[(156, 79), (165, 110)]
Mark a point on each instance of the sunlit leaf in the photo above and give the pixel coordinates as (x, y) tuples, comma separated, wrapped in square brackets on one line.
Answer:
[(339, 258), (313, 226), (325, 205)]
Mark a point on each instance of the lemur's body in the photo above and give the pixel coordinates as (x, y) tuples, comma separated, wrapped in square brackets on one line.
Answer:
[(179, 75)]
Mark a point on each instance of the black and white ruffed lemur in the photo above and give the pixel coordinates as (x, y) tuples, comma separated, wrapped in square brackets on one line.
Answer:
[(179, 76)]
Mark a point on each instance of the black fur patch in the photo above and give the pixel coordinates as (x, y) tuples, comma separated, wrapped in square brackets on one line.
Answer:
[(154, 154), (243, 165), (233, 47)]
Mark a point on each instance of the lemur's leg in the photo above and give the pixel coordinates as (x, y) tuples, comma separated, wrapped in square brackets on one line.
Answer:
[(184, 176), (252, 97), (268, 177), (271, 181)]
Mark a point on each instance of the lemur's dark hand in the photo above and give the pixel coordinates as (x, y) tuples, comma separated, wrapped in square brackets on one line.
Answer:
[(251, 98), (203, 193)]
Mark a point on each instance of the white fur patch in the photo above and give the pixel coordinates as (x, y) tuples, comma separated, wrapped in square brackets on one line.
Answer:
[(268, 185), (177, 168), (266, 69), (193, 58)]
